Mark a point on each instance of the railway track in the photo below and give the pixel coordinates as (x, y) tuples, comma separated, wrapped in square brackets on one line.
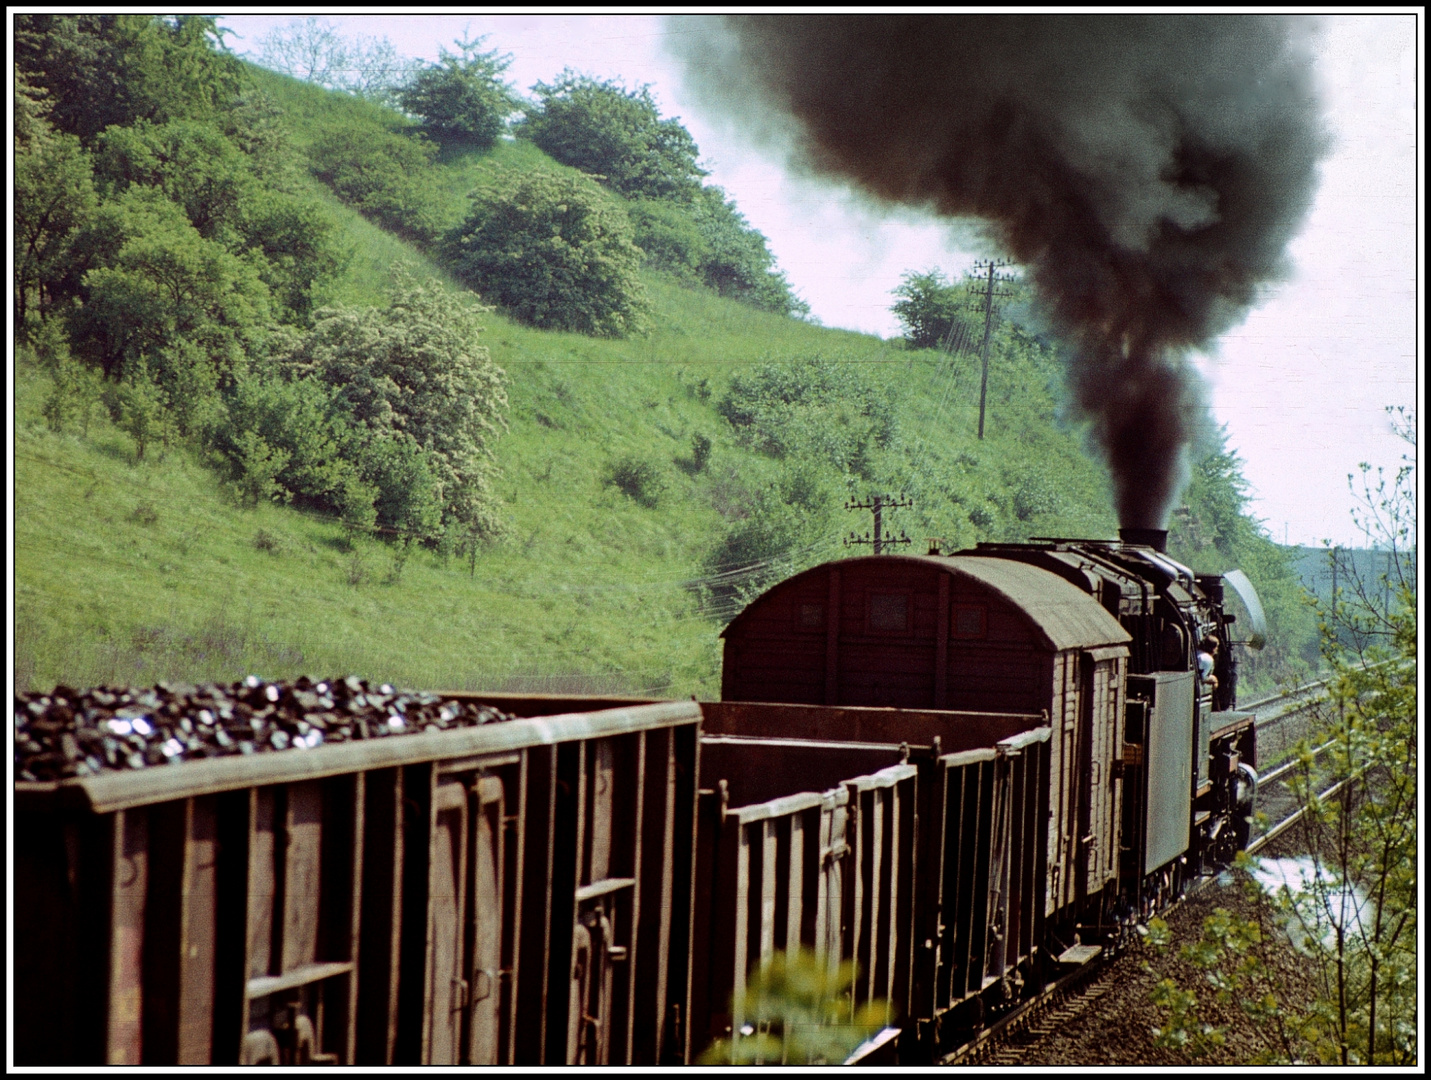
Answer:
[(1013, 1039)]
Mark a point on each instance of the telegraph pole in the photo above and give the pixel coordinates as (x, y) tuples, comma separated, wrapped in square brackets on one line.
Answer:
[(987, 269), (880, 539)]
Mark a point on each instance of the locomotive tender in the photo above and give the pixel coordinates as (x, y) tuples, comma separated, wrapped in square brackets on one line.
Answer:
[(966, 773)]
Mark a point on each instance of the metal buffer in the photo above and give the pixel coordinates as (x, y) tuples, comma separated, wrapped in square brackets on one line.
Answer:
[(986, 273), (879, 539)]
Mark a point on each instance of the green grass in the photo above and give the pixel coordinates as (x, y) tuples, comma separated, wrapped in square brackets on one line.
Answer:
[(129, 572)]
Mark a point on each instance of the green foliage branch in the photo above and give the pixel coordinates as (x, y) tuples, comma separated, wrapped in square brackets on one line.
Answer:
[(1354, 920), (797, 1009)]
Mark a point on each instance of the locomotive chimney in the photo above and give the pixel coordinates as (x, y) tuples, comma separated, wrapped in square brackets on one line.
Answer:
[(1157, 539)]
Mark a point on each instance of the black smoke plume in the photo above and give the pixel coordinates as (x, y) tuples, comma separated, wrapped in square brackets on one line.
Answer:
[(1147, 170)]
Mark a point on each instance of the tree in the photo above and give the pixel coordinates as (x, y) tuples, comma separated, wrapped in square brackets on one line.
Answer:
[(606, 130), (929, 306), (415, 369), (54, 196), (103, 70), (310, 49), (193, 164), (155, 280), (1354, 919), (555, 251), (462, 98)]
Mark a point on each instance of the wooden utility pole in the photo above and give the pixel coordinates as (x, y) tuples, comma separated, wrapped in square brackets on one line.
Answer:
[(880, 539), (987, 270)]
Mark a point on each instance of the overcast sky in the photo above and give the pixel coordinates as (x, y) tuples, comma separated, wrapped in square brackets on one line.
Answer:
[(1302, 384)]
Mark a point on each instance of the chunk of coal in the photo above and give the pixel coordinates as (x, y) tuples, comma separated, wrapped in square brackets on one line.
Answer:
[(69, 732)]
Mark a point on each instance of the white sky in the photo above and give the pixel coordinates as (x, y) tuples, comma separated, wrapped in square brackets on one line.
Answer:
[(1302, 384)]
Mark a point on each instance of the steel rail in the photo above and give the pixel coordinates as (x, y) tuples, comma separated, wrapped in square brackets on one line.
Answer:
[(1297, 691), (1287, 822), (1027, 1012), (1286, 767)]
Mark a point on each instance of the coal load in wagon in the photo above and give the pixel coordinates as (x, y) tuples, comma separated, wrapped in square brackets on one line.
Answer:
[(68, 733)]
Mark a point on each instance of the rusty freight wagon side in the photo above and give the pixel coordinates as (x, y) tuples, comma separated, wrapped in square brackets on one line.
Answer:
[(512, 893), (926, 868)]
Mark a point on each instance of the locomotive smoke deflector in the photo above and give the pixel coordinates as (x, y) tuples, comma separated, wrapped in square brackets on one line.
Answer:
[(1238, 580)]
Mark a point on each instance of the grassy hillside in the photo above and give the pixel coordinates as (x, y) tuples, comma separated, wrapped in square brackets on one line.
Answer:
[(130, 571), (135, 571)]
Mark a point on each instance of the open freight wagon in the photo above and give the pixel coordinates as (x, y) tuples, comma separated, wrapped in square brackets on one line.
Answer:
[(517, 892), (913, 842), (594, 884)]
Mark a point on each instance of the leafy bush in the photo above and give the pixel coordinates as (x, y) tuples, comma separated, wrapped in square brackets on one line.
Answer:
[(75, 390), (301, 248), (410, 492), (707, 241), (54, 197), (669, 237), (315, 452), (256, 469), (462, 98), (155, 280), (604, 129), (811, 407), (199, 169), (555, 251), (139, 405), (637, 479), (103, 70), (383, 175), (1034, 495), (700, 455), (798, 1012), (415, 373), (193, 164)]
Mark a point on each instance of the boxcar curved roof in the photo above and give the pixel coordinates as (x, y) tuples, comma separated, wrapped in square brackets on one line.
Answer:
[(1064, 615)]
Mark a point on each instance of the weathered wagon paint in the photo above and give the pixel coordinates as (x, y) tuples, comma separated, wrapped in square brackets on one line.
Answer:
[(419, 900)]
